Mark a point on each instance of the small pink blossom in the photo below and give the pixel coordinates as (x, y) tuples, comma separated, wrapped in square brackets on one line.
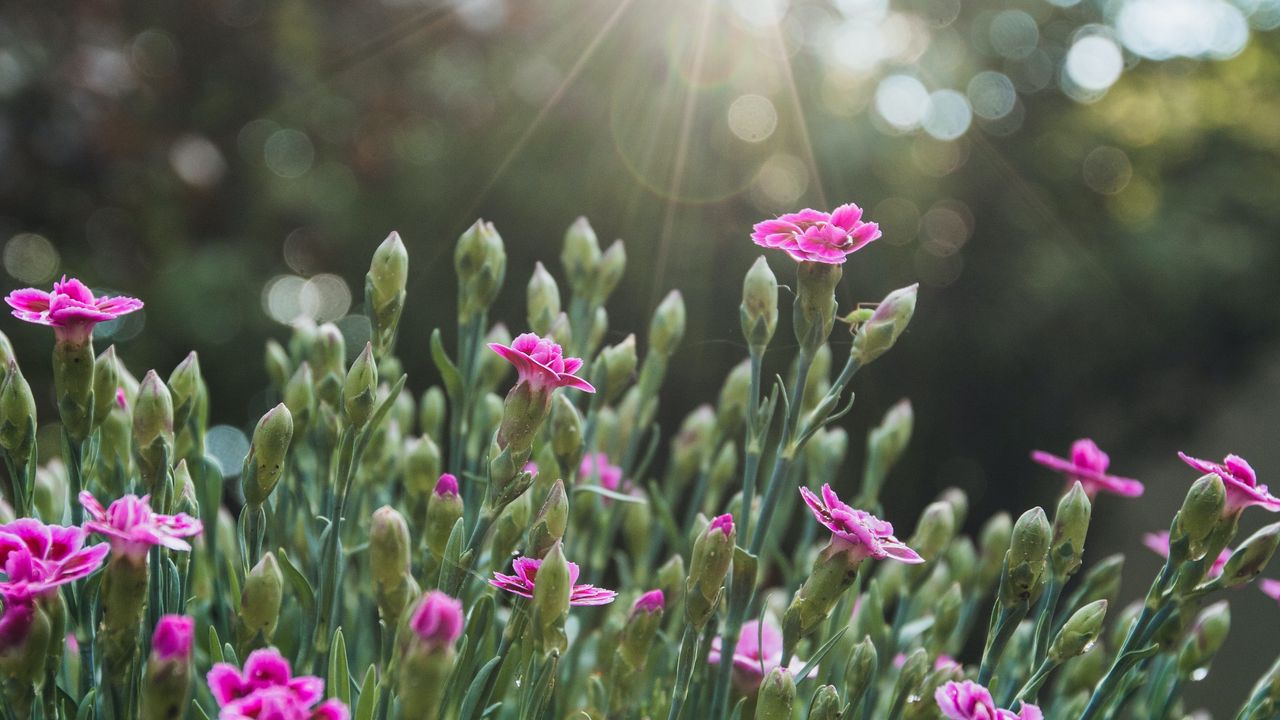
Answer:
[(758, 651), (173, 637), (871, 536), (970, 701), (526, 572), (71, 309), (597, 464), (37, 558), (132, 528), (1271, 588), (446, 485), (540, 362), (722, 523), (1159, 544), (1240, 480), (650, 602), (438, 621), (267, 690), (816, 236), (1088, 465)]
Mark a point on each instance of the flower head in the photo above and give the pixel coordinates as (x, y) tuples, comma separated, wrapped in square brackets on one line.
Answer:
[(970, 701), (526, 570), (71, 309), (131, 527), (172, 638), (1240, 480), (1088, 465), (540, 362), (267, 690), (758, 651), (37, 558), (597, 465), (1158, 543), (872, 536), (816, 236), (438, 621), (447, 485), (650, 602)]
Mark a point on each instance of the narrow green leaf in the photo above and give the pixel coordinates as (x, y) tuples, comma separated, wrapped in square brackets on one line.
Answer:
[(339, 674), (448, 371), (215, 646), (301, 585), (368, 695), (472, 698)]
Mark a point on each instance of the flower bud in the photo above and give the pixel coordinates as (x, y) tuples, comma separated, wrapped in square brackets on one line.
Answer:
[(777, 695), (277, 363), (389, 548), (759, 309), (562, 330), (614, 369), (814, 310), (443, 513), (637, 527), (360, 392), (551, 522), (153, 412), (946, 616), (724, 469), (1101, 581), (421, 467), (542, 299), (1079, 633), (1205, 639), (431, 411), (302, 341), (1028, 550), (265, 462), (861, 671), (642, 627), (910, 677), (1070, 527), (184, 388), (934, 531), (1201, 510), (6, 353), (166, 691), (826, 704), (868, 617), (599, 326), (832, 575), (566, 431), (480, 260), (73, 385), (613, 264), (551, 601), (581, 257), (493, 369), (300, 397), (260, 604), (384, 290), (670, 578), (959, 502), (1251, 558), (993, 542), (881, 331), (667, 328), (731, 410), (712, 553), (962, 560), (328, 355), (106, 383), (17, 414), (428, 655), (24, 645), (691, 443)]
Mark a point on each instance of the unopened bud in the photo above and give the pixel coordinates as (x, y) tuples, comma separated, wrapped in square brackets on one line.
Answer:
[(153, 412), (551, 522), (1201, 510), (861, 671), (670, 578), (431, 410), (1070, 527), (277, 363), (421, 466), (566, 431), (360, 392), (1028, 551), (300, 397), (692, 442), (480, 260), (1080, 632), (599, 326), (759, 309), (551, 601), (17, 414), (613, 264), (329, 353), (1206, 638), (993, 542), (813, 313), (731, 410), (260, 603), (725, 467), (614, 368), (641, 628), (385, 290), (443, 513), (388, 544), (881, 331), (712, 554), (581, 257), (777, 695), (166, 691), (1251, 558), (542, 300), (936, 528), (184, 387), (667, 328), (946, 616), (959, 502), (910, 677), (106, 383), (265, 462), (429, 655)]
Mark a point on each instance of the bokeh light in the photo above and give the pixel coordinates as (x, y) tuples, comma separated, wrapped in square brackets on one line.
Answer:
[(1094, 62), (30, 258)]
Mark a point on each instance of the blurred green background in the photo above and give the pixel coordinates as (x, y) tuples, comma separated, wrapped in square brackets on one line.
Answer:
[(1088, 193)]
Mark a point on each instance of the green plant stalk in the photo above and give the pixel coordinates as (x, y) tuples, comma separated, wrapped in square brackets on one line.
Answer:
[(73, 450), (1044, 620), (684, 670), (1006, 623), (1032, 686)]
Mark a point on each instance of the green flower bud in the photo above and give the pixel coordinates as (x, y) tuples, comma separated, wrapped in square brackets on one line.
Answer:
[(581, 257), (73, 385), (874, 337), (868, 620), (551, 522), (637, 527), (384, 290), (671, 579), (691, 444), (959, 502), (389, 553), (542, 300), (712, 554), (562, 330), (259, 605), (1079, 633), (431, 411), (277, 363), (993, 541), (566, 431), (184, 387), (493, 369), (777, 695), (860, 673), (1070, 527), (1251, 558), (731, 410), (442, 514), (1206, 638), (265, 462), (667, 328), (480, 260), (1028, 551), (551, 601), (153, 412), (23, 657), (910, 678), (813, 313), (106, 381), (724, 469), (832, 575), (1200, 513), (360, 393), (421, 467), (17, 415), (300, 397), (962, 560), (613, 264), (934, 531), (614, 369), (946, 616), (122, 596), (167, 685), (302, 342), (599, 326), (6, 354), (759, 309), (328, 357), (641, 628)]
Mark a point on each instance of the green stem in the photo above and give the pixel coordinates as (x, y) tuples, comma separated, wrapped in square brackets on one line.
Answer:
[(1032, 686), (1006, 624), (1044, 620), (684, 670)]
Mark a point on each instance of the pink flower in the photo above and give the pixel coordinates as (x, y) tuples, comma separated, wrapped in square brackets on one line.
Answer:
[(1159, 544), (540, 363), (1271, 588), (1088, 464), (970, 701), (871, 536), (1241, 483), (71, 309), (446, 485), (723, 523), (758, 651), (438, 621), (597, 465), (172, 638), (650, 602), (267, 690), (526, 570), (815, 236), (132, 528), (37, 558), (15, 623)]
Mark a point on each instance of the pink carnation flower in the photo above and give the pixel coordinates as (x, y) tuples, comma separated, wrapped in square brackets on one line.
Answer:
[(597, 465), (526, 570), (37, 558), (267, 690), (132, 528), (871, 536), (759, 650), (1088, 465), (816, 236), (438, 621), (172, 638), (970, 701), (540, 362), (1159, 544), (71, 309), (1240, 481)]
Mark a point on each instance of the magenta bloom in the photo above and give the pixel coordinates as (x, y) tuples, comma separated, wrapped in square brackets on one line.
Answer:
[(526, 570), (723, 523), (447, 485), (172, 638), (759, 650), (1271, 588), (815, 236), (132, 528), (597, 465), (871, 536), (267, 690), (438, 619), (1240, 481), (970, 701), (540, 362), (71, 309), (1088, 464), (650, 602), (1159, 544), (37, 558)]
